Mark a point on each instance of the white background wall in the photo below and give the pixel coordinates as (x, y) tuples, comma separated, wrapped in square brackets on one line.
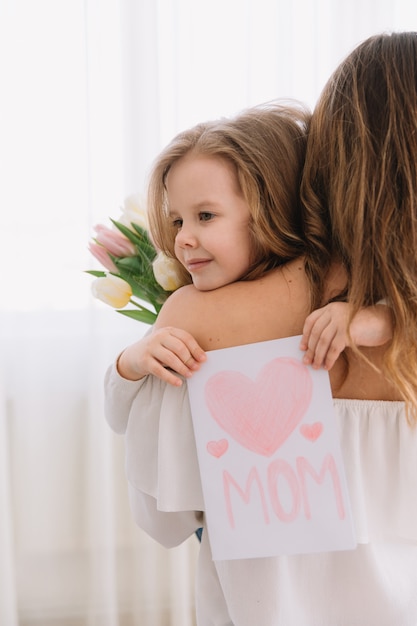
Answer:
[(90, 90)]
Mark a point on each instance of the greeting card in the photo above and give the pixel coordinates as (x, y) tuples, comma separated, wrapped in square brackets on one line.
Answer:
[(269, 453)]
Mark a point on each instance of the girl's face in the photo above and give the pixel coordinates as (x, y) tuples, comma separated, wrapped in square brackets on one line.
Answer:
[(207, 207)]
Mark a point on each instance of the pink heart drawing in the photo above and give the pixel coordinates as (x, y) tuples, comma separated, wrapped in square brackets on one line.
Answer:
[(311, 431), (260, 415), (217, 448)]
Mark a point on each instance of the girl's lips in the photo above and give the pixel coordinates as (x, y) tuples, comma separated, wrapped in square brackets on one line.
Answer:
[(197, 264)]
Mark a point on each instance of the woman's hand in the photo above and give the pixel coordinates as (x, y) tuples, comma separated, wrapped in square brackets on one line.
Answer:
[(163, 353)]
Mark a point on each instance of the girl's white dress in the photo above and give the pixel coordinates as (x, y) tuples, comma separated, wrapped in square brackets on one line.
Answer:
[(374, 585)]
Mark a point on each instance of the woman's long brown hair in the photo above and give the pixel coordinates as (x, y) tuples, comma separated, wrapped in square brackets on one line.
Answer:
[(360, 190)]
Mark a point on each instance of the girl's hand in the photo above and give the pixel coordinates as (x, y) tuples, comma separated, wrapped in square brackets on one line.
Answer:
[(325, 332), (163, 353), (325, 335)]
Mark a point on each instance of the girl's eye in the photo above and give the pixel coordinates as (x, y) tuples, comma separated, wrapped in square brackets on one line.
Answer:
[(177, 223), (206, 216)]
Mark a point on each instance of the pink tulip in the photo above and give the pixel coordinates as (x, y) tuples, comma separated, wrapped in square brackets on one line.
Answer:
[(114, 242), (102, 255)]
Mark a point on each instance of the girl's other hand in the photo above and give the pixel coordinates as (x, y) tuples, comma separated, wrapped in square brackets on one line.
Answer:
[(325, 335), (325, 332)]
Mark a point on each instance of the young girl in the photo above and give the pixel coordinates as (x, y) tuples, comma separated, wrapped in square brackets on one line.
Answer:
[(224, 198)]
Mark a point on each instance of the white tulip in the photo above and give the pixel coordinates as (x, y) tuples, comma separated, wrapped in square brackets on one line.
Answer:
[(166, 272), (134, 210), (112, 290)]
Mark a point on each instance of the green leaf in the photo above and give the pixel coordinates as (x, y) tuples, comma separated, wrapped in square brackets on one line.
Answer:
[(140, 230), (149, 251), (139, 305), (141, 279), (149, 292), (96, 273), (141, 316), (144, 234), (137, 238), (131, 264)]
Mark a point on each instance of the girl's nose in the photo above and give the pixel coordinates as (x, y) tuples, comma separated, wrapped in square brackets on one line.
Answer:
[(185, 238)]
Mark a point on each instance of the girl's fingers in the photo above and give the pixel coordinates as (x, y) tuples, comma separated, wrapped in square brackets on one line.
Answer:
[(316, 340), (324, 347), (308, 328), (173, 351)]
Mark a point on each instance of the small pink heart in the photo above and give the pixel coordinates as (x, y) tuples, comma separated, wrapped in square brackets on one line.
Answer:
[(217, 448), (311, 431)]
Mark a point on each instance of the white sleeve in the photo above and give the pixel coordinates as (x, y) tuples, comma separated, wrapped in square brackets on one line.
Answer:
[(119, 394), (167, 528), (160, 455)]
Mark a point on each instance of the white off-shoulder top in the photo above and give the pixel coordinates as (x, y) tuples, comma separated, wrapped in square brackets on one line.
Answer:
[(373, 585)]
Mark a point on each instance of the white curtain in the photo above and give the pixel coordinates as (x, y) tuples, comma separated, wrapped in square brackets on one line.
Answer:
[(90, 90)]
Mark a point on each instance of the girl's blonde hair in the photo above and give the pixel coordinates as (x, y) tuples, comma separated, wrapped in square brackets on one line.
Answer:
[(266, 146), (360, 189)]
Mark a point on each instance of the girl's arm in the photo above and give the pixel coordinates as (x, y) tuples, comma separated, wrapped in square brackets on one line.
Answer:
[(326, 331), (157, 351)]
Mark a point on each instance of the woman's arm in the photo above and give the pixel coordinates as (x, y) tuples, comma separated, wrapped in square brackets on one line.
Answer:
[(119, 394)]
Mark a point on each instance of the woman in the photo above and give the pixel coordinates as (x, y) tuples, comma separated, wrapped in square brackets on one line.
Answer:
[(359, 188)]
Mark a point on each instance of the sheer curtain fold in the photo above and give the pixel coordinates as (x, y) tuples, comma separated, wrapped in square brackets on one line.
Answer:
[(90, 92), (8, 600)]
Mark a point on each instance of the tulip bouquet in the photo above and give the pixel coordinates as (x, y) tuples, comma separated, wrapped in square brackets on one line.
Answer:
[(135, 273)]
